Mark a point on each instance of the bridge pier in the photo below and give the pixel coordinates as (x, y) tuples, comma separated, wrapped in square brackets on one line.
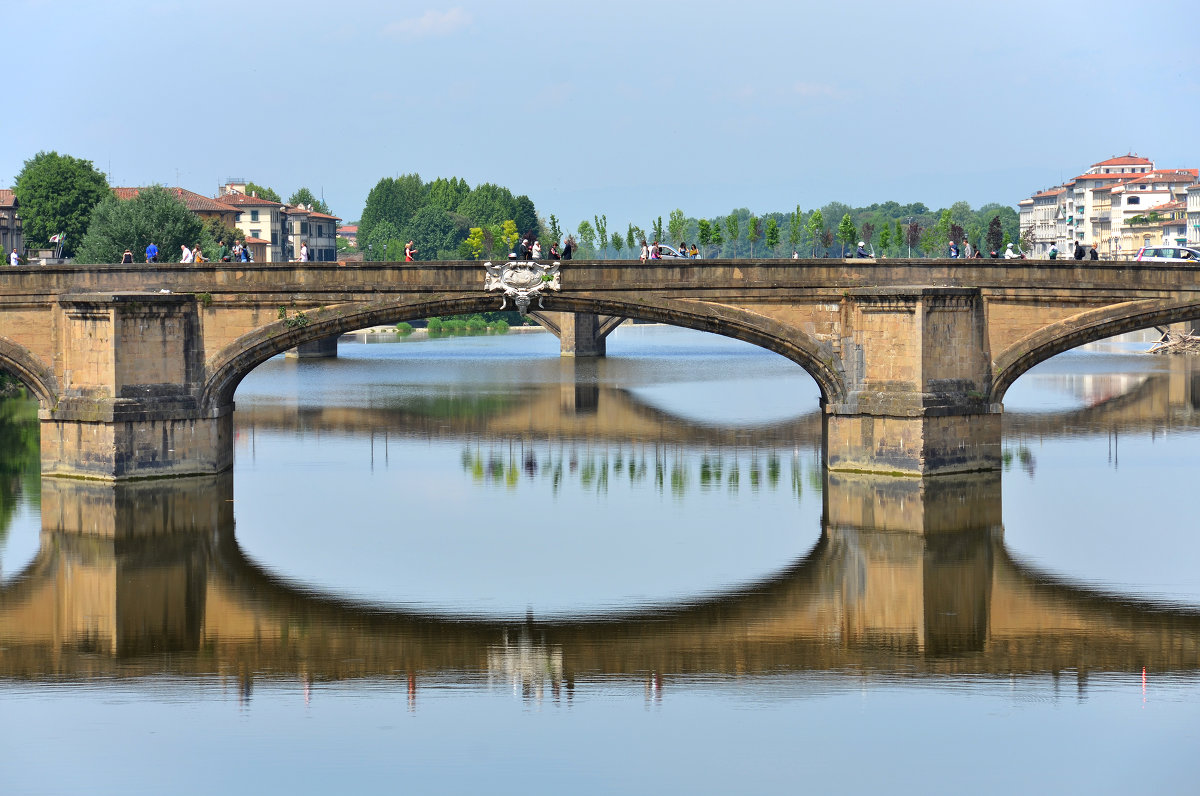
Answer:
[(580, 334), (917, 372), (132, 367), (325, 348)]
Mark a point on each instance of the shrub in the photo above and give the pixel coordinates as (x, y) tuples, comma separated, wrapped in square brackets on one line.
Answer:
[(476, 325), (500, 326), (434, 325), (404, 328)]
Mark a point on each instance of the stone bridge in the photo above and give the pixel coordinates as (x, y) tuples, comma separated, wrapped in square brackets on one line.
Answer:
[(135, 367), (146, 578)]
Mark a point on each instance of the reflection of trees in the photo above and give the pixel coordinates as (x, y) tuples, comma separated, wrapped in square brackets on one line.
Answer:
[(19, 456), (679, 469)]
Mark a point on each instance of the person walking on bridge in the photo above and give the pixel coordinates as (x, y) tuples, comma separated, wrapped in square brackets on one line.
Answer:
[(410, 250), (151, 253), (967, 251), (14, 258), (185, 254)]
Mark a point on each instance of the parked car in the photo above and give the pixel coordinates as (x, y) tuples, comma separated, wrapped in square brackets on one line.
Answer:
[(1167, 254), (667, 252)]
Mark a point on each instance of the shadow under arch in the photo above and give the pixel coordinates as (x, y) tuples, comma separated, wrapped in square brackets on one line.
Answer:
[(33, 373), (1081, 329), (237, 359)]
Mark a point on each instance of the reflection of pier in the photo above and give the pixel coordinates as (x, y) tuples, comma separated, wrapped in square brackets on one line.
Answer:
[(909, 577)]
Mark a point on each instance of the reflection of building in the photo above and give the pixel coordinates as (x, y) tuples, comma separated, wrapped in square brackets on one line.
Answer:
[(10, 225)]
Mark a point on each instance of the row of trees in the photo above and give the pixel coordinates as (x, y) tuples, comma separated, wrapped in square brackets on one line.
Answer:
[(446, 219), (888, 229), (61, 195)]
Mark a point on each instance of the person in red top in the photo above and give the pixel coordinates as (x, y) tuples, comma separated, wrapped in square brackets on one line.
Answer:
[(409, 251)]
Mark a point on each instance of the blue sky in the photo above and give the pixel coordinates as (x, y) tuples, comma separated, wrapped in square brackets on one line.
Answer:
[(629, 109)]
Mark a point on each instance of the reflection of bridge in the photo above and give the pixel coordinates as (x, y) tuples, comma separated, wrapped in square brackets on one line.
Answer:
[(129, 573), (581, 407), (912, 358)]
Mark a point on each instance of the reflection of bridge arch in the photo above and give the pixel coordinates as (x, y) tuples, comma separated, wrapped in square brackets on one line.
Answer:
[(927, 590), (231, 364)]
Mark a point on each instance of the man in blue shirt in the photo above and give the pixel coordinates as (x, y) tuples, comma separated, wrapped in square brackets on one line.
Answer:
[(151, 253)]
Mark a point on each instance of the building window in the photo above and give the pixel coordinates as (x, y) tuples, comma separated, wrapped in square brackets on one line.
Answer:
[(256, 233), (238, 219), (274, 238), (303, 227), (254, 215), (1133, 200)]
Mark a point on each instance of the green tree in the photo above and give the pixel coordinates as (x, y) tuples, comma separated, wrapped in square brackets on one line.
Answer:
[(601, 233), (753, 231), (795, 228), (447, 194), (733, 229), (395, 200), (435, 232), (57, 194), (219, 232), (846, 232), (814, 228), (703, 233), (303, 196), (772, 235), (262, 192), (474, 243), (898, 235), (555, 230), (587, 235), (617, 243), (885, 238), (382, 243), (156, 215), (657, 229), (509, 234), (631, 238), (676, 225), (718, 239)]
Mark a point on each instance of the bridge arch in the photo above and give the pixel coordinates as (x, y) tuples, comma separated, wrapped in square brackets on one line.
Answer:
[(33, 373), (1083, 328), (241, 356)]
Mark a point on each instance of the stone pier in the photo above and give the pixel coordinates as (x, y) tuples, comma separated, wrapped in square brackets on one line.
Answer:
[(131, 370), (580, 334), (325, 348), (917, 372)]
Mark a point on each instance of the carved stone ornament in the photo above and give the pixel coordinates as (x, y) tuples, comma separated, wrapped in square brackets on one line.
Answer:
[(521, 280)]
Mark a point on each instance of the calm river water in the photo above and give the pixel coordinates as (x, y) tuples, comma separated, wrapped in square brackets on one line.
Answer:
[(466, 565)]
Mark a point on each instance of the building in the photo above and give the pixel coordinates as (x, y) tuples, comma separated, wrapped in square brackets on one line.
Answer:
[(261, 219), (11, 236), (1193, 214), (318, 230), (1043, 213), (199, 204), (350, 233), (1138, 199)]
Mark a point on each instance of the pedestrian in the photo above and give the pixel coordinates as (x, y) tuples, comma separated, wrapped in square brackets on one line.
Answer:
[(223, 252), (185, 254), (197, 254), (553, 251), (14, 258), (536, 251), (683, 249), (1053, 253), (303, 252), (953, 250), (694, 253), (795, 254), (967, 251), (127, 258), (1080, 251), (152, 253), (655, 252), (410, 251), (1093, 254), (568, 248), (645, 251)]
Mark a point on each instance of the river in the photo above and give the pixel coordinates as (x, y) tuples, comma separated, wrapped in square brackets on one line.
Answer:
[(464, 564)]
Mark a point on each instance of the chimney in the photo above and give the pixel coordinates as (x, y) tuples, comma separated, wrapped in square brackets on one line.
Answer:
[(254, 194)]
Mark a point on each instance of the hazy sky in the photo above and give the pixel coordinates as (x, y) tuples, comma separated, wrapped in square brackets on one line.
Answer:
[(629, 109)]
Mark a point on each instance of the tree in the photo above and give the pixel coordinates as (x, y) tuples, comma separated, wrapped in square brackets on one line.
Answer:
[(303, 196), (435, 232), (676, 225), (617, 243), (868, 232), (814, 227), (155, 215), (382, 243), (220, 232), (57, 194), (898, 235), (601, 233), (733, 229), (657, 229), (957, 234), (753, 231), (795, 228), (772, 235), (912, 235), (509, 235), (587, 235), (447, 194), (846, 232), (396, 200), (826, 240), (885, 238), (555, 230), (718, 240), (995, 234), (703, 233), (474, 243), (262, 192)]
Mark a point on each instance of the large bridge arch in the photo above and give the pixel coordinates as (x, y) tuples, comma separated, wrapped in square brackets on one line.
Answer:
[(233, 363), (33, 373), (1081, 329)]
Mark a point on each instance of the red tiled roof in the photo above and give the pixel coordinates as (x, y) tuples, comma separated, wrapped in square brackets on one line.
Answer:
[(1174, 175), (1125, 160), (1050, 192), (7, 198), (349, 228), (242, 200), (256, 240), (315, 214), (195, 202)]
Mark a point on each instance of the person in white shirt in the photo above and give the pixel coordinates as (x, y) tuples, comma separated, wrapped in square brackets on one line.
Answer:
[(303, 252), (1009, 254), (14, 258), (537, 249), (185, 254)]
